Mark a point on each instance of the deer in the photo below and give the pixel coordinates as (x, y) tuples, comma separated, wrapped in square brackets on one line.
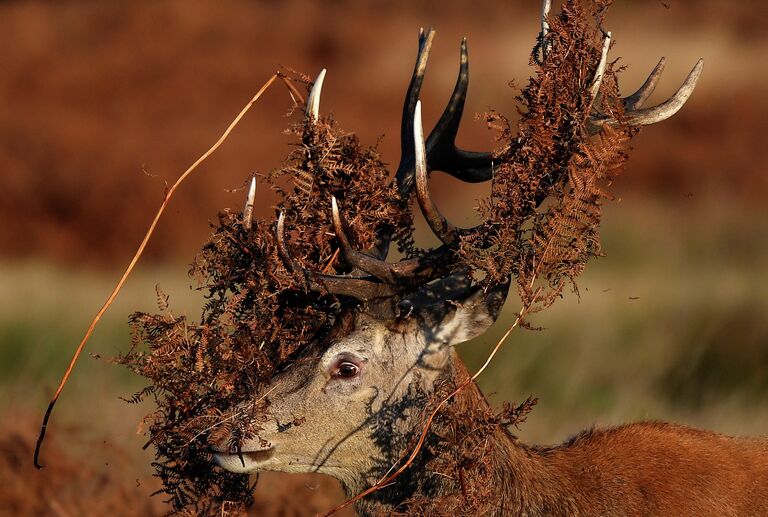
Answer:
[(352, 407)]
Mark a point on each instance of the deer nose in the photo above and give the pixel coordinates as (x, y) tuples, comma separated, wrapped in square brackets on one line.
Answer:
[(228, 447)]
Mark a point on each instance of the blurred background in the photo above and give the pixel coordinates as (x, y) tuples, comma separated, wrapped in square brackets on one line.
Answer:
[(105, 103)]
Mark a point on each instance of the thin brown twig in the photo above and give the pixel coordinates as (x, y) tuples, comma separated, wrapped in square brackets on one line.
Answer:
[(425, 430), (329, 265), (135, 259), (295, 94)]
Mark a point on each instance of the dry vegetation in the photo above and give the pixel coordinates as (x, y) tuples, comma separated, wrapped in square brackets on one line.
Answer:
[(258, 315), (76, 485), (542, 224)]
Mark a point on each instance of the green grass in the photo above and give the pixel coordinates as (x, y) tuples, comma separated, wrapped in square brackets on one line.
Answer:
[(44, 312)]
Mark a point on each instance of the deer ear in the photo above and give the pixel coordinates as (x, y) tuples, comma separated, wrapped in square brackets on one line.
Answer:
[(452, 323)]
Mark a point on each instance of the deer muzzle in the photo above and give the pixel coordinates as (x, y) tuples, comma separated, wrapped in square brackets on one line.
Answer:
[(250, 458)]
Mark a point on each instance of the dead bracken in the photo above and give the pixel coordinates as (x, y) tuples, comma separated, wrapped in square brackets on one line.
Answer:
[(550, 175)]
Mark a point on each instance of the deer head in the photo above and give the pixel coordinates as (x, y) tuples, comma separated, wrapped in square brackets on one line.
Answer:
[(350, 405)]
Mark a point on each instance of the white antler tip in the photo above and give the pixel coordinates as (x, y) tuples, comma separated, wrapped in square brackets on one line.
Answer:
[(418, 141), (338, 227), (598, 80), (418, 132), (313, 101), (249, 202)]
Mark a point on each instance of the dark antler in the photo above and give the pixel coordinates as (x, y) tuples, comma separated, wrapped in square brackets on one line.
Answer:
[(442, 152), (469, 166), (439, 152), (363, 289)]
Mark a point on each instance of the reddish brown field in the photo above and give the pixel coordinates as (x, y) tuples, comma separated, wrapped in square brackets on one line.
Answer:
[(105, 103), (80, 482)]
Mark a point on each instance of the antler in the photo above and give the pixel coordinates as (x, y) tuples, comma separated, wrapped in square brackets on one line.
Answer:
[(360, 288), (634, 114), (386, 279), (249, 202), (442, 228), (313, 100), (442, 152), (381, 279)]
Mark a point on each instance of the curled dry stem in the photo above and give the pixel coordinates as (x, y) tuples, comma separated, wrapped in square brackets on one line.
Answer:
[(137, 255)]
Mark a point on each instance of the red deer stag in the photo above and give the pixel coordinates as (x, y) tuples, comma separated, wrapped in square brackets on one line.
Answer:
[(352, 407)]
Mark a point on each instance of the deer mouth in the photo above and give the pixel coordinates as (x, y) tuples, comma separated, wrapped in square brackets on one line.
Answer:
[(243, 461)]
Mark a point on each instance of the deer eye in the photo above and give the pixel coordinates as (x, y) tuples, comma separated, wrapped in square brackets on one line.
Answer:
[(346, 370)]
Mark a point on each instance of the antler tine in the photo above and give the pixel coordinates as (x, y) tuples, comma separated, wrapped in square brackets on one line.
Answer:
[(381, 248), (406, 125), (442, 153), (637, 99), (444, 230), (378, 268), (282, 248), (249, 202), (313, 100), (359, 288), (399, 275), (648, 116), (546, 5), (600, 72)]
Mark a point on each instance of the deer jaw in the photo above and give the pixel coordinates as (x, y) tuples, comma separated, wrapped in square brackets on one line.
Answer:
[(340, 411)]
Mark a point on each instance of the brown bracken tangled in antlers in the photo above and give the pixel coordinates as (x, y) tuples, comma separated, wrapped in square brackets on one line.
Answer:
[(257, 316), (276, 287)]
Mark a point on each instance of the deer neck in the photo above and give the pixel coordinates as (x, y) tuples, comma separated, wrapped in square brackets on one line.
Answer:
[(460, 469)]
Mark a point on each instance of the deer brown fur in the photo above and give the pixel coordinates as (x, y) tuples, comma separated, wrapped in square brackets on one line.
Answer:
[(650, 468)]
